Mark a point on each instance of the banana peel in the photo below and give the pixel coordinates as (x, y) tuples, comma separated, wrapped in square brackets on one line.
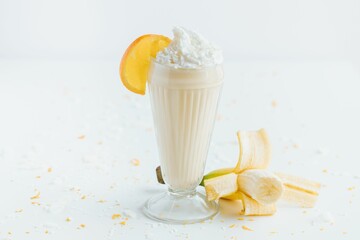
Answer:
[(298, 190)]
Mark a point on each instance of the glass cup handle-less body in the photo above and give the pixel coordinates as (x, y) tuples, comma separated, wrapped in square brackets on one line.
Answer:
[(184, 105)]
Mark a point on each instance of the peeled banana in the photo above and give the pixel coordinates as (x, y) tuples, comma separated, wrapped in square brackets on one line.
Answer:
[(255, 150), (250, 189), (261, 185)]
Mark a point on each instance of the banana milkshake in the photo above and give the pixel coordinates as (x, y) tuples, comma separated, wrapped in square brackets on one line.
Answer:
[(184, 83)]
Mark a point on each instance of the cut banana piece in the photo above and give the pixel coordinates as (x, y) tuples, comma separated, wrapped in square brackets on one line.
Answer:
[(299, 190), (255, 150), (231, 207), (220, 186), (216, 173), (261, 185), (250, 206)]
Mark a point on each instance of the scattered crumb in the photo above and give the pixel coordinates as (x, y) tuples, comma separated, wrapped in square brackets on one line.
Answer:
[(324, 170), (9, 233), (351, 188), (38, 177), (123, 223), (82, 225), (251, 219), (240, 218), (135, 162), (68, 219), (274, 103), (99, 142), (35, 203), (232, 226), (273, 232), (101, 201), (49, 170), (246, 228), (36, 196), (27, 232), (115, 216), (46, 231), (81, 137), (83, 197), (296, 146), (322, 229), (344, 233), (19, 210)]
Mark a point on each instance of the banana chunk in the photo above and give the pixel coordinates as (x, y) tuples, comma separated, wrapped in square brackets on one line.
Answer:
[(255, 150), (220, 186), (299, 190), (231, 207), (250, 206), (261, 185), (216, 173)]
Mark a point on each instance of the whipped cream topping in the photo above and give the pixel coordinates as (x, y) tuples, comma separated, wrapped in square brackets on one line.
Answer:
[(189, 49)]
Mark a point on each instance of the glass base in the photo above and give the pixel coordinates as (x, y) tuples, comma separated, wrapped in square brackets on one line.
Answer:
[(180, 207)]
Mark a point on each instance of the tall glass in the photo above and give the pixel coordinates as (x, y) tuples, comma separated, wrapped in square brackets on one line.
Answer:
[(184, 105)]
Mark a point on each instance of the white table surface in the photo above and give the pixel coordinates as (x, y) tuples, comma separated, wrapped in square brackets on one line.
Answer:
[(77, 119)]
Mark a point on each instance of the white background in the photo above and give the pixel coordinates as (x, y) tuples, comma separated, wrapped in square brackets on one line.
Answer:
[(291, 67), (259, 29)]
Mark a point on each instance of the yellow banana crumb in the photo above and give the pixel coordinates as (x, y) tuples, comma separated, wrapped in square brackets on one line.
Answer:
[(115, 216), (247, 228), (232, 226), (49, 170), (68, 219), (135, 162), (274, 103), (123, 223), (82, 225), (81, 137), (36, 196)]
